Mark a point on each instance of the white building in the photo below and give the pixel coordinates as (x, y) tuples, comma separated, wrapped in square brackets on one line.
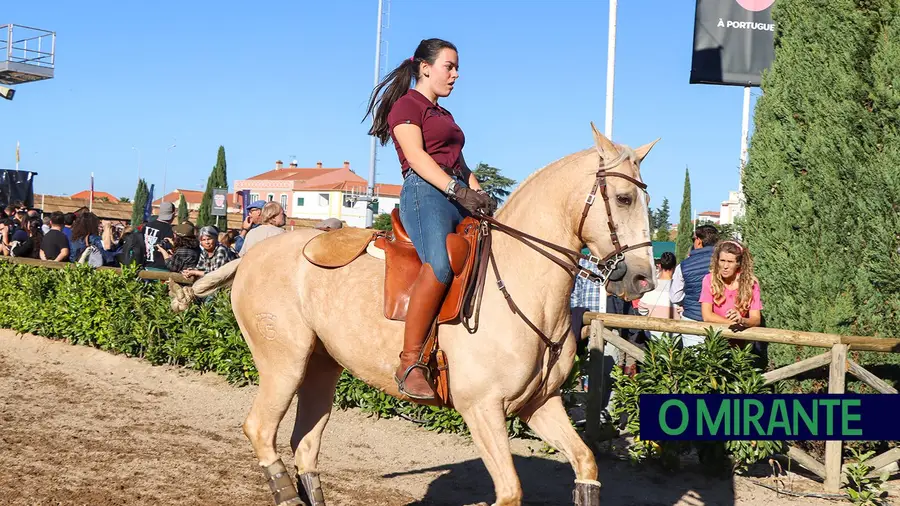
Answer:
[(319, 193), (731, 208)]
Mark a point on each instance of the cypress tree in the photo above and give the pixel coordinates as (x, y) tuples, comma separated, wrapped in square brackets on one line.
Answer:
[(683, 240), (182, 210), (218, 178), (822, 186), (141, 193)]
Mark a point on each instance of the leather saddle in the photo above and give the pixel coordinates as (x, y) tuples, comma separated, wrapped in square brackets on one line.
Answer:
[(402, 265)]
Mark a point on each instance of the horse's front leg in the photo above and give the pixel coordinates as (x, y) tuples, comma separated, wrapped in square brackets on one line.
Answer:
[(487, 422), (551, 422)]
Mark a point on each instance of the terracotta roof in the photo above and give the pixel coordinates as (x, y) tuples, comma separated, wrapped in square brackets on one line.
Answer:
[(710, 213), (193, 197), (86, 194), (291, 174), (336, 179), (388, 190), (104, 210)]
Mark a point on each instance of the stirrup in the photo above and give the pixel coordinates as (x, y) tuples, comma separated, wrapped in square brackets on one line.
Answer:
[(401, 383)]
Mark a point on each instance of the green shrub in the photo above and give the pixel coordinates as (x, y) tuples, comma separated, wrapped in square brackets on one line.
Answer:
[(120, 313), (714, 367)]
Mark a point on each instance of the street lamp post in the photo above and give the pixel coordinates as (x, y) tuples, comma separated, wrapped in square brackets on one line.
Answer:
[(165, 171)]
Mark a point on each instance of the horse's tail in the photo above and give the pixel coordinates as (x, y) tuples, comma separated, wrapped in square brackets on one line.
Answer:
[(183, 297)]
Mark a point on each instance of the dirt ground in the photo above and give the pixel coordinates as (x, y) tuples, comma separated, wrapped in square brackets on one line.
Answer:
[(79, 426)]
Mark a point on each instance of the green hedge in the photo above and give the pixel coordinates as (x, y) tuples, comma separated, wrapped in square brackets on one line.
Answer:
[(120, 313)]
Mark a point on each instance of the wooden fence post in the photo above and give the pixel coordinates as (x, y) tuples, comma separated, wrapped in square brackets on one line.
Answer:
[(837, 375), (596, 382)]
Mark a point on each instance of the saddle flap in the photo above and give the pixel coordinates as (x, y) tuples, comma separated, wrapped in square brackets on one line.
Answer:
[(467, 231), (337, 248), (457, 250)]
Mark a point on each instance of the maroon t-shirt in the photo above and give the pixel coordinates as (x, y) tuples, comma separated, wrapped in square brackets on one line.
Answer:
[(442, 137)]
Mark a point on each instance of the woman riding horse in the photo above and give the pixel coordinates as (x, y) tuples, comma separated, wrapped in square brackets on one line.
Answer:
[(438, 190)]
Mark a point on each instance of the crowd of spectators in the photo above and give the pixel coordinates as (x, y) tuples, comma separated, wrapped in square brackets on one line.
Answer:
[(82, 237)]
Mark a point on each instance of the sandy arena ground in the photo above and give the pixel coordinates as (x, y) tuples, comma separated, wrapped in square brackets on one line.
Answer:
[(79, 426)]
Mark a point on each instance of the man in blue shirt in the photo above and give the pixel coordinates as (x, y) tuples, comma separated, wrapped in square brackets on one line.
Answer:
[(587, 296), (687, 280)]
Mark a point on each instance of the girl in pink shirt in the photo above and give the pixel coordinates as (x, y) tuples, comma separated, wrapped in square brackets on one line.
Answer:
[(730, 292)]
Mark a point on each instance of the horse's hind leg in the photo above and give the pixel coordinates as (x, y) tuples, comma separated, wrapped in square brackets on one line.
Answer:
[(551, 422), (281, 357), (314, 401)]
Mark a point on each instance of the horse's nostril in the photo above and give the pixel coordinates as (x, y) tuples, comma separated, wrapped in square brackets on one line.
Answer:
[(642, 282)]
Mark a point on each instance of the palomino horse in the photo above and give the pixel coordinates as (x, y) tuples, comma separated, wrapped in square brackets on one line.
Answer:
[(305, 324)]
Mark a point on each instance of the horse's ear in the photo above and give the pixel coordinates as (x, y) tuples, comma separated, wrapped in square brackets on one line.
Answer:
[(642, 151), (604, 146)]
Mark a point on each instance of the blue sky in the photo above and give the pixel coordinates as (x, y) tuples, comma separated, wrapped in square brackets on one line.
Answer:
[(276, 80)]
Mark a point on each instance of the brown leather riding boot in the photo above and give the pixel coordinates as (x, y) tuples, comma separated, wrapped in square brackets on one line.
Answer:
[(425, 299)]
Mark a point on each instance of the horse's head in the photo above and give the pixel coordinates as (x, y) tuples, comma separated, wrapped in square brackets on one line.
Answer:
[(614, 217)]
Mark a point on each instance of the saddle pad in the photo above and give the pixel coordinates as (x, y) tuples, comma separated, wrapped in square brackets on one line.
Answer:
[(337, 248), (375, 251)]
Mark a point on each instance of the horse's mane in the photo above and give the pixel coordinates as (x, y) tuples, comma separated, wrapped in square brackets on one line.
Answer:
[(624, 151), (558, 162)]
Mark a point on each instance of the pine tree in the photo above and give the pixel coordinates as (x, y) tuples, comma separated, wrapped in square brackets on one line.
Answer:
[(493, 182), (822, 187), (140, 201), (660, 222), (182, 210), (683, 240), (217, 179)]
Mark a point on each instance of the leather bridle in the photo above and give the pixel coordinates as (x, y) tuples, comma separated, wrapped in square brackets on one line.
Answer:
[(605, 266)]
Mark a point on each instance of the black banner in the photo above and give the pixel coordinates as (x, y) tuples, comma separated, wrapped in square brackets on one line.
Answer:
[(17, 185), (733, 41)]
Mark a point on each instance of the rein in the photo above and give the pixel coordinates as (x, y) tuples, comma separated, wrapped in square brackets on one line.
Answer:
[(605, 265)]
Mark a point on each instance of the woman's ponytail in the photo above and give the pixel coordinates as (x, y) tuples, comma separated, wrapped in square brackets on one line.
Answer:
[(394, 86)]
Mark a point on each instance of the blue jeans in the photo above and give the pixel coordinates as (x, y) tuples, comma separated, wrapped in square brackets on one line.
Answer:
[(428, 217)]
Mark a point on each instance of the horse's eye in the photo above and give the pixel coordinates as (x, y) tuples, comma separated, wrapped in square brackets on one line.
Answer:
[(624, 200)]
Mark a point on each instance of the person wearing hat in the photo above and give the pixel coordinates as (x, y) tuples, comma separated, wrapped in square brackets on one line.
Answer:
[(186, 249), (329, 224), (271, 221), (212, 254), (155, 233), (254, 210)]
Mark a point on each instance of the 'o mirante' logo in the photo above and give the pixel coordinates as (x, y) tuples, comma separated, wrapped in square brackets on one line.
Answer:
[(755, 5)]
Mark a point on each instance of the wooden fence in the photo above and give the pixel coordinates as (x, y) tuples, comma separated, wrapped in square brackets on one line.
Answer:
[(832, 470), (154, 275)]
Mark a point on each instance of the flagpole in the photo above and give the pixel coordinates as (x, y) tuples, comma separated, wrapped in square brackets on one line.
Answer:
[(91, 204), (17, 155)]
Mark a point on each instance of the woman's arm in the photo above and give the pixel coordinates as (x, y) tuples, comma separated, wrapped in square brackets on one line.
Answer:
[(754, 320), (409, 137), (106, 237), (710, 316)]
